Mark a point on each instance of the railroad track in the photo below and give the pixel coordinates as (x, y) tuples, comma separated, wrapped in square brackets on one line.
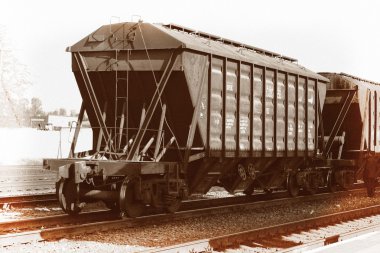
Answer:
[(28, 200), (35, 178), (23, 179), (50, 198), (295, 236), (24, 188), (23, 170), (190, 209)]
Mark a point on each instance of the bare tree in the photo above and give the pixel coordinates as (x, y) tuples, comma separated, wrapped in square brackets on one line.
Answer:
[(73, 113), (14, 80), (62, 112), (36, 107)]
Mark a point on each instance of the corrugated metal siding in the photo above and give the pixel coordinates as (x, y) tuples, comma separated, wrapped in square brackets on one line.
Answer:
[(245, 103), (301, 114), (257, 109), (231, 106), (280, 133), (216, 104), (291, 113), (269, 110), (192, 41), (311, 114)]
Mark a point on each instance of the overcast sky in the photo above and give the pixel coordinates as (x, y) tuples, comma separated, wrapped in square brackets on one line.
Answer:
[(335, 36)]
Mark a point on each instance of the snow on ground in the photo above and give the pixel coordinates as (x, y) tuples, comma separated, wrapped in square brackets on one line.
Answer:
[(65, 245), (20, 146)]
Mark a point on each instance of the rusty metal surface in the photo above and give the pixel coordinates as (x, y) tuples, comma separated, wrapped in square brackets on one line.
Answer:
[(238, 51), (225, 121), (226, 41), (145, 36)]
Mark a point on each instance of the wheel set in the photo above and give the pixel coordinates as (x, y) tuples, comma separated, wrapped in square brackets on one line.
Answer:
[(128, 204)]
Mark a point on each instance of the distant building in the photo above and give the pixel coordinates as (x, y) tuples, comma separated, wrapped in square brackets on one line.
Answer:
[(39, 123), (56, 122)]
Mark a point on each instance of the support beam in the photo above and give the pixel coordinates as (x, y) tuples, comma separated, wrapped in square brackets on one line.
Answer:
[(375, 121), (142, 118), (121, 126), (91, 94), (369, 122), (237, 153), (153, 105), (224, 98), (320, 126), (77, 129), (275, 83), (339, 121), (263, 100), (251, 104), (306, 117), (159, 133), (101, 135), (209, 74), (286, 114), (296, 121), (365, 120), (316, 123)]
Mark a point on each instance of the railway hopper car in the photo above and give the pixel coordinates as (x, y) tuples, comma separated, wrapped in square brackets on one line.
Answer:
[(354, 104), (176, 111)]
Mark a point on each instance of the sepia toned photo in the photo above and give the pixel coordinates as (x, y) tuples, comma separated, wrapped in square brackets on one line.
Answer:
[(189, 126)]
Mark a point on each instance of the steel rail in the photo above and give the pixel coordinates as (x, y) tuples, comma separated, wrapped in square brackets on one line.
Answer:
[(234, 240), (28, 200), (27, 183), (54, 220), (62, 219), (330, 240), (60, 232), (36, 177), (9, 189)]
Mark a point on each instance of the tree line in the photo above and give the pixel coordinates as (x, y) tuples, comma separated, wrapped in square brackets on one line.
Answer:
[(18, 113), (15, 109)]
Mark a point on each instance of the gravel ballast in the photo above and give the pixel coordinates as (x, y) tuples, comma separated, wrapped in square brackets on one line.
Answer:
[(176, 232)]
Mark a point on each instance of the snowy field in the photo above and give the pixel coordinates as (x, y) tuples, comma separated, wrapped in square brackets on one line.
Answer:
[(28, 146)]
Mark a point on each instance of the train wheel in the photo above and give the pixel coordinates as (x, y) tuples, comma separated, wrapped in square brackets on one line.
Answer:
[(129, 205), (331, 184), (114, 206), (249, 190), (310, 190), (172, 203), (268, 190), (292, 186), (68, 194), (371, 186)]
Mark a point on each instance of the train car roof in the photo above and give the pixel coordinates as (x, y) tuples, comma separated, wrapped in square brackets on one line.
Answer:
[(348, 81), (146, 36)]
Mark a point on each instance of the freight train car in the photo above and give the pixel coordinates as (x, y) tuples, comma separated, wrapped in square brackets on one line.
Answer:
[(176, 111), (354, 104)]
